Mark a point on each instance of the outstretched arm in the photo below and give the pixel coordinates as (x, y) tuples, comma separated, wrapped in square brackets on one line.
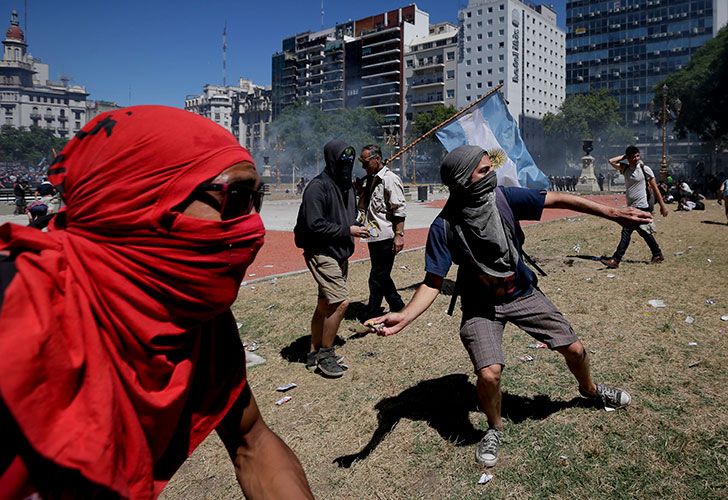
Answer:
[(423, 298), (264, 465), (625, 216)]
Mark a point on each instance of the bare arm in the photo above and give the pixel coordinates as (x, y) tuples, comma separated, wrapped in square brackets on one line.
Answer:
[(265, 467), (615, 162), (423, 298), (625, 216), (658, 196), (398, 225)]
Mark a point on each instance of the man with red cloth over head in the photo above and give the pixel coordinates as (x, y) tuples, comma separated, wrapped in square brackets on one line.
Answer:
[(118, 350)]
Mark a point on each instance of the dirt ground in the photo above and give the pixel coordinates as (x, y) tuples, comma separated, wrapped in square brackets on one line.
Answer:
[(403, 421)]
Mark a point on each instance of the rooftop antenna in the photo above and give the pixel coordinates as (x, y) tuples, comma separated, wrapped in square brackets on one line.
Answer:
[(322, 14), (224, 55), (65, 79)]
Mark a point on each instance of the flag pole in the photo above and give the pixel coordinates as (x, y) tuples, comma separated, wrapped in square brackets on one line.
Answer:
[(444, 123)]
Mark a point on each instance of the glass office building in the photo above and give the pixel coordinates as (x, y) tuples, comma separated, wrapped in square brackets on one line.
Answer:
[(629, 47)]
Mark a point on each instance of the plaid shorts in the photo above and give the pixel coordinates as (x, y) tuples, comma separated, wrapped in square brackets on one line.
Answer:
[(535, 314)]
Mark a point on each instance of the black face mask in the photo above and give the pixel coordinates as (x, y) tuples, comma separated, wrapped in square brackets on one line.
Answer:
[(344, 167)]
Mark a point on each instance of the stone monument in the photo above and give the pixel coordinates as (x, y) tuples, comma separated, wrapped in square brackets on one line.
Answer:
[(266, 174), (587, 179)]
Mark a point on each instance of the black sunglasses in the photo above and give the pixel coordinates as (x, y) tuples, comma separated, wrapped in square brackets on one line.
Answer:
[(238, 198)]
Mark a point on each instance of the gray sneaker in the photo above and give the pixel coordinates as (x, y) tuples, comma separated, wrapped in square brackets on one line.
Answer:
[(486, 452), (610, 397), (312, 361), (328, 364)]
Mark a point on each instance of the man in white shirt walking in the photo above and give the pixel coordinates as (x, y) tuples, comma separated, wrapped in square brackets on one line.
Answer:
[(640, 186), (382, 209)]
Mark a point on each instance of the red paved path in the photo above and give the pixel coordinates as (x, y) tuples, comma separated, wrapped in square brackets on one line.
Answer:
[(279, 255)]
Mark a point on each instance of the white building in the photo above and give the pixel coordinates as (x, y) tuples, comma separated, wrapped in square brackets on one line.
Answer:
[(244, 110), (431, 71), (520, 46), (28, 98)]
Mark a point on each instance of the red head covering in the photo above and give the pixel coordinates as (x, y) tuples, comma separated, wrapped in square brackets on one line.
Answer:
[(118, 352)]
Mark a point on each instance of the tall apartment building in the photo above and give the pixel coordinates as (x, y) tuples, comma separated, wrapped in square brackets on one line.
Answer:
[(629, 46), (245, 110), (521, 46), (29, 98), (357, 63), (431, 71)]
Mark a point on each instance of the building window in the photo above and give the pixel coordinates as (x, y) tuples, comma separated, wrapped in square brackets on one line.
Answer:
[(450, 56), (450, 93), (479, 85), (467, 86), (451, 74), (468, 74)]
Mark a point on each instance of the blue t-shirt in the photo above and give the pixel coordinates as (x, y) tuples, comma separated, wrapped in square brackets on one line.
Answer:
[(477, 288)]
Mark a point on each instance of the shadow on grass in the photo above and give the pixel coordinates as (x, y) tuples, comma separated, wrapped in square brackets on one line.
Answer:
[(713, 222), (448, 286), (296, 351), (595, 258), (445, 404)]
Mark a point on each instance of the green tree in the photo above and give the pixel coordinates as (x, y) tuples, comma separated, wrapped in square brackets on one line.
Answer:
[(594, 115), (701, 89), (298, 135), (28, 146), (424, 161), (424, 122)]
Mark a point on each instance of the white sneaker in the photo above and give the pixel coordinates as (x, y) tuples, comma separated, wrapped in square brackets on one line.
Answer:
[(486, 452)]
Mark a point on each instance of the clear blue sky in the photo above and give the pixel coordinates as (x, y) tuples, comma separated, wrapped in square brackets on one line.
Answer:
[(165, 49)]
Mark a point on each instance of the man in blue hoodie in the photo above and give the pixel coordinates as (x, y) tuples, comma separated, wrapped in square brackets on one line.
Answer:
[(325, 230)]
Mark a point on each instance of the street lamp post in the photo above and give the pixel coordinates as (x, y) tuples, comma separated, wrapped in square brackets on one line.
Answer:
[(663, 163)]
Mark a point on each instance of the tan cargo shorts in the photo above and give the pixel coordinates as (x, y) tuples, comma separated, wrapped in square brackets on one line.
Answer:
[(330, 275)]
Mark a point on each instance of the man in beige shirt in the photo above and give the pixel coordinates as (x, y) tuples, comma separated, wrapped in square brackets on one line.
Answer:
[(382, 210)]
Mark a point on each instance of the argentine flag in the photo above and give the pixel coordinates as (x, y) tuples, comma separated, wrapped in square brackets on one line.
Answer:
[(490, 126)]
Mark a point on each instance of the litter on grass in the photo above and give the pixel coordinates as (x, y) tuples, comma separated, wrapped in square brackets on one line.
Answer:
[(678, 254), (610, 276), (689, 320), (283, 400), (526, 358), (692, 344), (538, 345), (710, 302), (577, 248), (286, 387), (485, 478), (268, 266), (694, 364), (724, 317), (656, 303), (253, 346)]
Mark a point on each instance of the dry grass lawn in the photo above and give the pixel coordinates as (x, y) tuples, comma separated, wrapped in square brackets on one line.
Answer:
[(403, 422)]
